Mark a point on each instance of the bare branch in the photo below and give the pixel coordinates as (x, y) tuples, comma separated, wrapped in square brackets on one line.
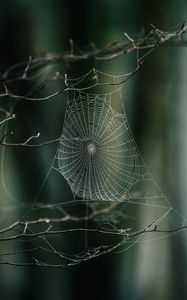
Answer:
[(29, 230), (22, 97), (112, 51)]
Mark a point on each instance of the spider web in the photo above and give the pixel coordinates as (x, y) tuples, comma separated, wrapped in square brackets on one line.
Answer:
[(116, 201), (97, 153)]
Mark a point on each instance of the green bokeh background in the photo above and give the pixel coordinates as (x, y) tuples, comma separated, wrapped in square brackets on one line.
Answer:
[(156, 106)]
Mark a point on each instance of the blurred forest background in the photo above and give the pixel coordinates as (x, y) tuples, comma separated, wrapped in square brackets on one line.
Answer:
[(156, 106)]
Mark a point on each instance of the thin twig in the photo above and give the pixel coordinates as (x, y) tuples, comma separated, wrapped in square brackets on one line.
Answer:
[(25, 144)]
